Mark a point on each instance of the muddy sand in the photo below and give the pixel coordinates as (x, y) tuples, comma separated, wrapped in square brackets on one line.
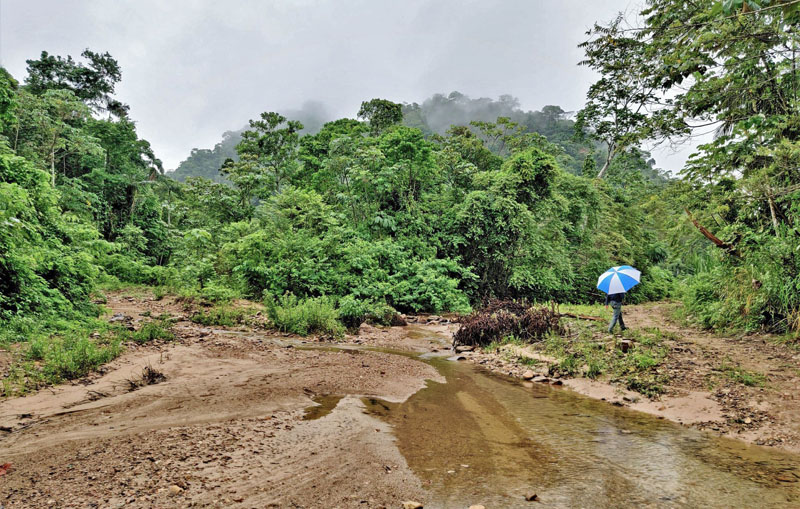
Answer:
[(229, 426), (224, 429)]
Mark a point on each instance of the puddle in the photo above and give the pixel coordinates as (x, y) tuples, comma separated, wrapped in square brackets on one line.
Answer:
[(324, 406), (485, 439)]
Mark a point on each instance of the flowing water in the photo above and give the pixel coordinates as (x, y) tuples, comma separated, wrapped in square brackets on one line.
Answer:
[(480, 438)]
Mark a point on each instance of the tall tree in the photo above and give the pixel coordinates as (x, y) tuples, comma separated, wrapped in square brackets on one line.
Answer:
[(93, 82), (380, 114), (625, 106), (268, 156)]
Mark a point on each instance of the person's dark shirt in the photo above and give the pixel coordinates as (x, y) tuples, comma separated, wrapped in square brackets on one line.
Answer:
[(615, 297)]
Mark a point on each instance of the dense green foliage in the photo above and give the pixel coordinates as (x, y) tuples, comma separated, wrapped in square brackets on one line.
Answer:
[(428, 207), (373, 214), (728, 66)]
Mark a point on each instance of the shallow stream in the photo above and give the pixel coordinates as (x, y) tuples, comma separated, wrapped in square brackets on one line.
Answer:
[(486, 439)]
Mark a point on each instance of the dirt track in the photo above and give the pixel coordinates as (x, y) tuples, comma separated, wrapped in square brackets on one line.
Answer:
[(225, 429)]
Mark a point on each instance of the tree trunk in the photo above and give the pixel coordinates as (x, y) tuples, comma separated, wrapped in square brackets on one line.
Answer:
[(772, 211), (611, 150), (53, 166)]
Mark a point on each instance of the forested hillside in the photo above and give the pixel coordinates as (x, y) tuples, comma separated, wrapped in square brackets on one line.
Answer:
[(425, 207), (434, 117)]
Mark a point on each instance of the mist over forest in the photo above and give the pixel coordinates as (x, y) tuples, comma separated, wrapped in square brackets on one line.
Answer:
[(434, 116)]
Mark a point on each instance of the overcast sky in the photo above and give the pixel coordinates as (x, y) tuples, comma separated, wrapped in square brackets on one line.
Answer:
[(193, 69)]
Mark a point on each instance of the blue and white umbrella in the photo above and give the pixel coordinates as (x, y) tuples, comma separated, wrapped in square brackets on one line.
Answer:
[(618, 279)]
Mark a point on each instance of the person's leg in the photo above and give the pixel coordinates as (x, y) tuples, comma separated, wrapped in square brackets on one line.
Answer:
[(621, 321), (613, 318)]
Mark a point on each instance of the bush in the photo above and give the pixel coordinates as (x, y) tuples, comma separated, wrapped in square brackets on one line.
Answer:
[(307, 316), (152, 331), (216, 292), (430, 285), (657, 284), (381, 313), (352, 312)]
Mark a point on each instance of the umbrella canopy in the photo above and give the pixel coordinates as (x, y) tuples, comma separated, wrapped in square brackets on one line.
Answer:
[(618, 279)]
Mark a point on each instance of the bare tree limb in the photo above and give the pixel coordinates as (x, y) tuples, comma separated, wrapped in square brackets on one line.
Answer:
[(710, 236)]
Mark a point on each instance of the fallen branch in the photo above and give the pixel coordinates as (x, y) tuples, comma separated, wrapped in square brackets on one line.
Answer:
[(710, 236), (583, 317)]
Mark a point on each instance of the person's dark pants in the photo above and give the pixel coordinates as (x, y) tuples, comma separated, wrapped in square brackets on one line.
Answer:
[(617, 307)]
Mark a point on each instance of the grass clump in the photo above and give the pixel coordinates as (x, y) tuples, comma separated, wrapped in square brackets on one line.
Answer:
[(740, 375), (69, 357), (51, 359), (152, 331), (587, 352), (598, 310), (304, 316), (223, 315)]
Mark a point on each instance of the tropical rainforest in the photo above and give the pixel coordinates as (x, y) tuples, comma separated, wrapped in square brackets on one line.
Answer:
[(433, 207)]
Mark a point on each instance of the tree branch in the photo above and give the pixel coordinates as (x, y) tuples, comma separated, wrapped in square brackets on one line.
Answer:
[(713, 238)]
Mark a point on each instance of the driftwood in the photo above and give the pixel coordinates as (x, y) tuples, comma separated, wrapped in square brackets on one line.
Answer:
[(499, 319)]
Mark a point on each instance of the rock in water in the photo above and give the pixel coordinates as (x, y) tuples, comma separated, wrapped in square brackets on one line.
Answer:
[(410, 504), (541, 379), (531, 496), (464, 348), (528, 375)]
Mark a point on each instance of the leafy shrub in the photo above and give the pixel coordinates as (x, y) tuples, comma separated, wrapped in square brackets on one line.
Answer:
[(381, 313), (304, 316), (218, 292), (352, 312), (430, 285), (657, 284)]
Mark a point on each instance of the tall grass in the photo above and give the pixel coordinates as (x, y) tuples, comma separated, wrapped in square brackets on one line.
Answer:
[(304, 316)]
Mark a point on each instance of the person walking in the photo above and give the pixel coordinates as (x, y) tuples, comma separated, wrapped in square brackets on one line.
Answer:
[(615, 300), (614, 283)]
